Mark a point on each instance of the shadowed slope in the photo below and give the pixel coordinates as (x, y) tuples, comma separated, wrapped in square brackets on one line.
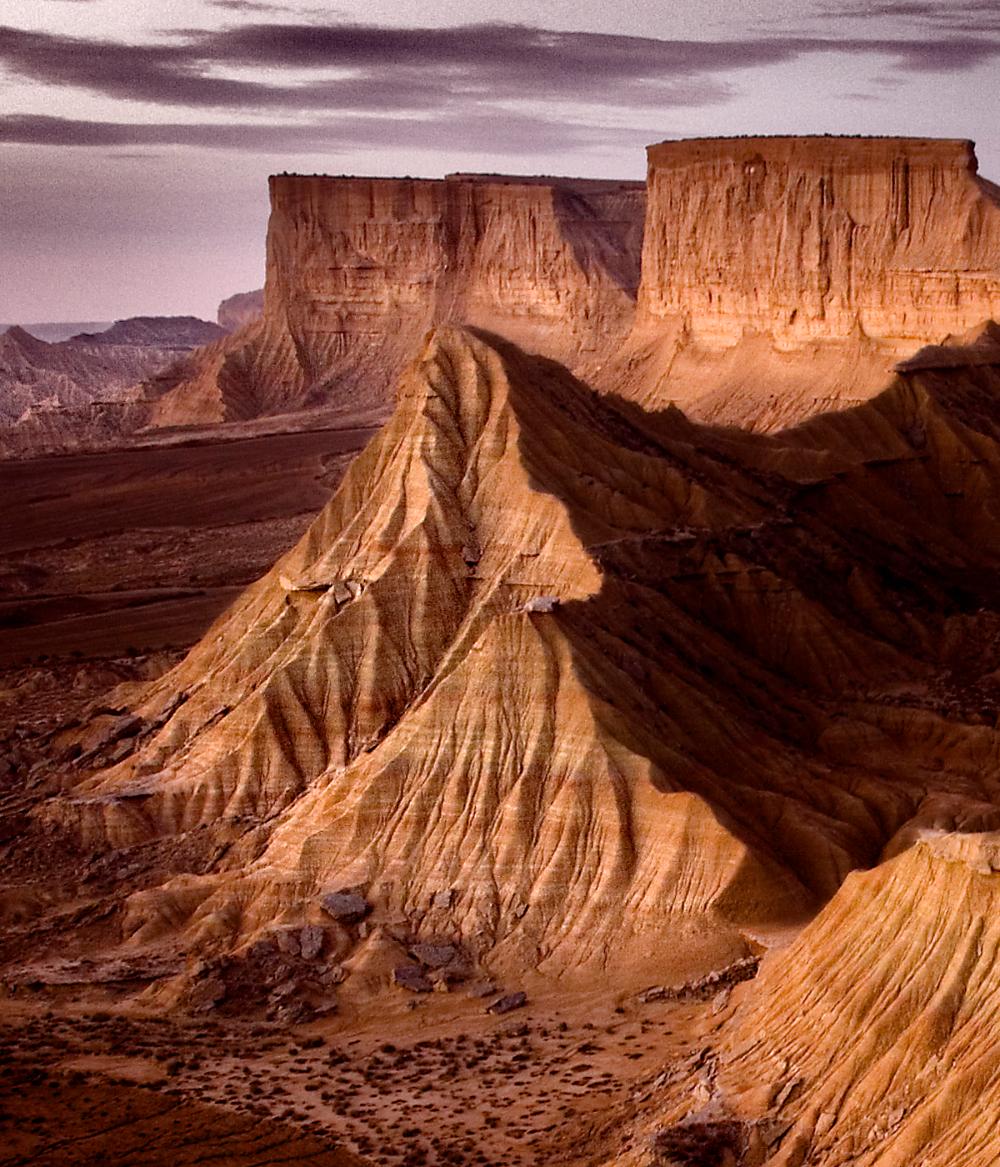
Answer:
[(583, 672)]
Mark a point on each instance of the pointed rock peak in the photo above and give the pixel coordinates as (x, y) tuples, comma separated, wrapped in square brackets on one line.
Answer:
[(20, 336)]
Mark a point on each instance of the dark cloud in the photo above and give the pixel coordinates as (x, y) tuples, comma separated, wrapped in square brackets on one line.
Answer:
[(440, 69), (488, 132), (249, 6), (400, 69), (958, 16)]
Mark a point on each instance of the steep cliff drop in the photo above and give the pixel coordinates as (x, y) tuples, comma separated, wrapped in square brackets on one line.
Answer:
[(359, 268), (785, 276)]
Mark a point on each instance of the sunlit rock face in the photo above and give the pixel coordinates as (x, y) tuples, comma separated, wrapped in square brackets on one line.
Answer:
[(785, 276), (359, 268), (820, 238), (596, 673)]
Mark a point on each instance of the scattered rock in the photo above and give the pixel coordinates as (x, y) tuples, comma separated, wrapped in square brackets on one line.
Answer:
[(508, 1004), (346, 907), (411, 977), (541, 604), (289, 988), (288, 942), (311, 940), (713, 984), (700, 1144), (434, 955), (341, 592), (443, 899)]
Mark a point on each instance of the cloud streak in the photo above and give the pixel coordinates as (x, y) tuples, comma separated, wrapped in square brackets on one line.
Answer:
[(979, 17), (357, 68), (514, 134)]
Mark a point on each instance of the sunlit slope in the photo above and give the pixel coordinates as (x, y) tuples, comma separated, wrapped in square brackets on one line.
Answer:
[(585, 669)]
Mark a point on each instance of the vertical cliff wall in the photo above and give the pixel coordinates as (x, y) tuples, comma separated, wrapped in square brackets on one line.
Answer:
[(808, 238), (782, 276), (359, 268)]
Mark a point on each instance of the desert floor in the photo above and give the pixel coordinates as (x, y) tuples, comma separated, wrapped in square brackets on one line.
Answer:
[(140, 549), (421, 1081)]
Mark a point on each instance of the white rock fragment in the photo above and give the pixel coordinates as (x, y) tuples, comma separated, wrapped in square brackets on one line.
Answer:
[(541, 604)]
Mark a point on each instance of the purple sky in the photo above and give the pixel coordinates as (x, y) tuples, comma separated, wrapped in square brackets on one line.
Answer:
[(135, 138)]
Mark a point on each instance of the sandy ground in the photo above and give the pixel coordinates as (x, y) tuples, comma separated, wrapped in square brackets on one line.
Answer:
[(441, 1083), (122, 551)]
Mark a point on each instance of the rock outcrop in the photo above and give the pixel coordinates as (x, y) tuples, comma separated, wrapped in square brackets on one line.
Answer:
[(727, 701), (240, 309), (87, 388), (784, 276), (780, 277), (820, 238), (359, 268), (869, 1040)]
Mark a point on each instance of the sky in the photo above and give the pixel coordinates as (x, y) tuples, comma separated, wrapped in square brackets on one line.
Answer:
[(136, 137)]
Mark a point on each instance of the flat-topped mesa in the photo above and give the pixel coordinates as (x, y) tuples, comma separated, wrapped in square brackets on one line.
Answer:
[(366, 256), (820, 238), (359, 268)]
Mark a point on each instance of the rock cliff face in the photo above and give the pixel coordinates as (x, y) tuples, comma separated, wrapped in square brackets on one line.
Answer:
[(781, 276), (359, 268), (869, 1041), (820, 238), (242, 308)]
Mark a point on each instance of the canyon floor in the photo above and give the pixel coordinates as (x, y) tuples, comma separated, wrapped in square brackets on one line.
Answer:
[(438, 1082), (139, 549)]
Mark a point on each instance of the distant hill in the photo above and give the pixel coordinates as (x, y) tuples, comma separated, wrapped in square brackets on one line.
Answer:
[(55, 395), (167, 332), (53, 332)]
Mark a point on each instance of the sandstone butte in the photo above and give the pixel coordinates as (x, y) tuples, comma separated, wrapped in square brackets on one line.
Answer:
[(359, 268), (779, 277), (592, 689)]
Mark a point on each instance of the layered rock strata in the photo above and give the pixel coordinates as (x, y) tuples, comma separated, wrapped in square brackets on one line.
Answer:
[(869, 1040), (820, 239), (784, 276), (359, 268), (558, 678)]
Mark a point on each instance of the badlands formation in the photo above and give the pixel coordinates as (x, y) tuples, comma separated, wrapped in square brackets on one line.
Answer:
[(86, 389), (359, 268), (608, 775)]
